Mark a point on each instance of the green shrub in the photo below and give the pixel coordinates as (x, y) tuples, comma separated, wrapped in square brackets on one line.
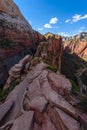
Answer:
[(4, 93), (83, 98), (74, 86), (54, 69), (46, 61), (5, 43)]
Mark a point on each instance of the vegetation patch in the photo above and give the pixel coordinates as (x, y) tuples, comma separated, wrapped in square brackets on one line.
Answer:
[(75, 87), (54, 69), (71, 64), (4, 93), (82, 106), (46, 61), (5, 43)]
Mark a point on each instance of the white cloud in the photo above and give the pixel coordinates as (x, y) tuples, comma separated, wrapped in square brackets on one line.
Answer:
[(53, 20), (47, 25), (68, 20), (78, 17), (40, 29), (64, 34), (84, 17)]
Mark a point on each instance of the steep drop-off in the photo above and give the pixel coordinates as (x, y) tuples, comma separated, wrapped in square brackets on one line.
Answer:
[(16, 37), (77, 47), (41, 101), (74, 59)]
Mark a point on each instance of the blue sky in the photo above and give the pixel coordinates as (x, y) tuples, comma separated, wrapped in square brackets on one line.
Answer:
[(65, 17)]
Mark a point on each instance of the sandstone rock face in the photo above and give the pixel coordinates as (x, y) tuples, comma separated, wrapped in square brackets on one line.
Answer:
[(51, 51), (74, 57), (14, 27), (38, 104), (16, 37), (9, 7), (77, 47)]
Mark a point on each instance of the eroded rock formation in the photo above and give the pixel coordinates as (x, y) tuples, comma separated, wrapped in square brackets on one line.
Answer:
[(16, 37), (41, 101), (51, 51)]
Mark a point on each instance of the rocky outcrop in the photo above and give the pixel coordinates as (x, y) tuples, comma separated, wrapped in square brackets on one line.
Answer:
[(16, 71), (41, 101), (76, 46), (51, 51), (17, 37)]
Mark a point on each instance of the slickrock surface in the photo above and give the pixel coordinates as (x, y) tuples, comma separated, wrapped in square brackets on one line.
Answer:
[(40, 102)]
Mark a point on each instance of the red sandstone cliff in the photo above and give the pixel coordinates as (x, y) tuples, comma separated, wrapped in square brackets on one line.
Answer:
[(78, 47), (16, 37), (51, 51)]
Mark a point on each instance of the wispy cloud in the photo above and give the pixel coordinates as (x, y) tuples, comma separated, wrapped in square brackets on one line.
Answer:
[(54, 20), (47, 25), (40, 29), (63, 34), (68, 20), (76, 18)]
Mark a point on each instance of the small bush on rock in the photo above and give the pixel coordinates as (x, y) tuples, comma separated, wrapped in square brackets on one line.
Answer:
[(4, 93), (54, 69)]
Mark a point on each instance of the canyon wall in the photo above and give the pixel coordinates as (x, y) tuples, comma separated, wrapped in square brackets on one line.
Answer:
[(16, 37)]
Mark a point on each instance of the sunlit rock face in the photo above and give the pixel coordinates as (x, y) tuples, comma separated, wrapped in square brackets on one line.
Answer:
[(14, 27), (77, 44), (51, 51)]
